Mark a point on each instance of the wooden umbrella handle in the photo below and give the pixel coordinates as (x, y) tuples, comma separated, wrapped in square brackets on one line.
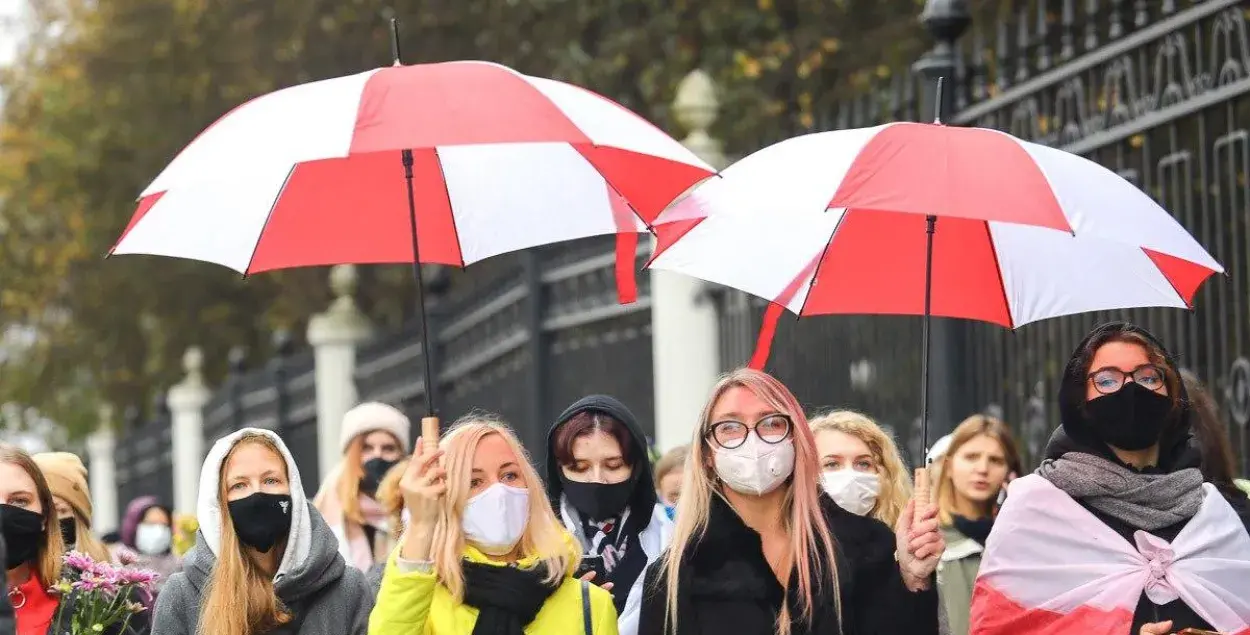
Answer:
[(429, 432), (921, 493)]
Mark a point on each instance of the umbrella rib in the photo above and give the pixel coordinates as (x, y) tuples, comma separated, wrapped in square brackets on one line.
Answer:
[(451, 209), (261, 236), (823, 253), (1002, 282)]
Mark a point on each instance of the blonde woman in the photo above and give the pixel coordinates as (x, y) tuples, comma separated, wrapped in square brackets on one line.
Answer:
[(67, 478), (264, 560), (974, 470), (373, 437), (33, 539), (483, 551), (757, 548), (861, 467)]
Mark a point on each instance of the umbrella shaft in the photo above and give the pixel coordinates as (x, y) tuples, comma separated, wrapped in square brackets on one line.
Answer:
[(930, 226), (426, 347)]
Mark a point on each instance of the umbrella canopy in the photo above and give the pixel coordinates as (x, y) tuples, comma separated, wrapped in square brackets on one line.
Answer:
[(836, 222), (501, 161)]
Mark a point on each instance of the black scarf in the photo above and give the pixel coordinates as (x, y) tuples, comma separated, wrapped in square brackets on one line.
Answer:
[(507, 597), (977, 530)]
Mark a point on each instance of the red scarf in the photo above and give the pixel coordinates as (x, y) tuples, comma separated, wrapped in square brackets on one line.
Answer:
[(33, 606)]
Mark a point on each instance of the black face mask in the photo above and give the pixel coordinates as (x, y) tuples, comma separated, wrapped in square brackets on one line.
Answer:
[(23, 535), (598, 501), (375, 470), (69, 532), (261, 520), (1130, 418)]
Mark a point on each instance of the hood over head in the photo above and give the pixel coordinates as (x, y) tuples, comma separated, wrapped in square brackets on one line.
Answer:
[(134, 515), (643, 500), (311, 560), (1177, 448)]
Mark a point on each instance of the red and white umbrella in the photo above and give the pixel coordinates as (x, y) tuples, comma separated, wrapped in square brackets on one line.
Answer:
[(445, 163), (311, 174), (835, 222), (924, 219)]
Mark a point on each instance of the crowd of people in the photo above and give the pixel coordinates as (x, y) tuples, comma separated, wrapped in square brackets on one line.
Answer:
[(767, 522)]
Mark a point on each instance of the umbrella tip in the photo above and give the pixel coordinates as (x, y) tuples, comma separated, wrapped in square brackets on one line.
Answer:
[(395, 52)]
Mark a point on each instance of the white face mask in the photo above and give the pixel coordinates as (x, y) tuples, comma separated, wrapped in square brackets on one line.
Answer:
[(153, 539), (755, 467), (852, 490), (495, 519)]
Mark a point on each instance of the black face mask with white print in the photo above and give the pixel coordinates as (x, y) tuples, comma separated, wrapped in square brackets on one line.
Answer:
[(261, 520)]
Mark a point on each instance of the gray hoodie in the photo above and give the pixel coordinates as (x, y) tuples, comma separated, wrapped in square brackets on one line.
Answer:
[(326, 596)]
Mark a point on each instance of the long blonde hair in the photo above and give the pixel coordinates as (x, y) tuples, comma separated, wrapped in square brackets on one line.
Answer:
[(239, 598), (895, 481), (967, 430), (48, 560), (802, 516), (544, 535)]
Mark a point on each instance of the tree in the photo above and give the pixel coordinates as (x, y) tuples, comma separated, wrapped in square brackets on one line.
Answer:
[(108, 92)]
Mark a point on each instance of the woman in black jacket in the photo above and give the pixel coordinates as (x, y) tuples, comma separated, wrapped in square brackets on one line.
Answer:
[(752, 514)]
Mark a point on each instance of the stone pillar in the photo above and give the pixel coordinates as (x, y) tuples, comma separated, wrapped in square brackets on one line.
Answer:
[(684, 326), (186, 401), (103, 473), (334, 335)]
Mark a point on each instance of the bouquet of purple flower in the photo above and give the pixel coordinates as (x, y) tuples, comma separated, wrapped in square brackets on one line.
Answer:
[(100, 595)]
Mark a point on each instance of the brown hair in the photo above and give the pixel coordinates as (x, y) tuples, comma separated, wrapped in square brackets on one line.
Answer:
[(589, 422), (673, 460), (1210, 432), (239, 598), (48, 560), (967, 430), (1128, 334)]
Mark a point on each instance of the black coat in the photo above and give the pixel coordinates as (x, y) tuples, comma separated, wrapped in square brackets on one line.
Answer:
[(1178, 450), (727, 585)]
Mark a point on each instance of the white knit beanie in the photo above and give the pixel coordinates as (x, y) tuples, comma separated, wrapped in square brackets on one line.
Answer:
[(373, 416)]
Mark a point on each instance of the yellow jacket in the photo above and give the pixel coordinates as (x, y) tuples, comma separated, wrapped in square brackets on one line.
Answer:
[(416, 604)]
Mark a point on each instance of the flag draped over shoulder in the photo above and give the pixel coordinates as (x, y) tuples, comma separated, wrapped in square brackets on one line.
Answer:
[(1050, 566)]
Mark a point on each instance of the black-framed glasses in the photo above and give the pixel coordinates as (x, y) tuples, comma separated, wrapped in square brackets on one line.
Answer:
[(730, 434), (1110, 379)]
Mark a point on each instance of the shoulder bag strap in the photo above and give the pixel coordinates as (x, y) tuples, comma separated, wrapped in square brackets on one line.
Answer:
[(587, 623)]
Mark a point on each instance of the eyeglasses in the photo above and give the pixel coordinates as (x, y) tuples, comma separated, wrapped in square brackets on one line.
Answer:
[(1110, 379), (730, 434)]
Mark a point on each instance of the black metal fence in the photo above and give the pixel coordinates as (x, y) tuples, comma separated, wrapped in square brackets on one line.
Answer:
[(543, 331), (521, 337), (1153, 90)]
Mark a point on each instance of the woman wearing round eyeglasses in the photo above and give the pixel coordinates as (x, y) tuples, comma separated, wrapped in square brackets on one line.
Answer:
[(759, 549), (1116, 532)]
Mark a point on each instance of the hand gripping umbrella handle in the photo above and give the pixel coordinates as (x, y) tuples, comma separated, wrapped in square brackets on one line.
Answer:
[(921, 493)]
